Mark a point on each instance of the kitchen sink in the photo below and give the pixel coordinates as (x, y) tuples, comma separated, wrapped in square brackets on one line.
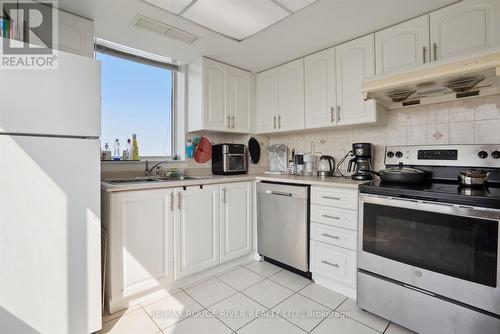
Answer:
[(156, 179)]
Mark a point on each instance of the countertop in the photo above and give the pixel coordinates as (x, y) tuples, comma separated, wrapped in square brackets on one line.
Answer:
[(214, 179)]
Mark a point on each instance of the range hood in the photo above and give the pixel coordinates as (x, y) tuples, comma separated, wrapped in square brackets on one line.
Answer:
[(437, 82)]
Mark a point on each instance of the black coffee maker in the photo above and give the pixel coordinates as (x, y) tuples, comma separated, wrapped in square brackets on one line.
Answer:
[(361, 164)]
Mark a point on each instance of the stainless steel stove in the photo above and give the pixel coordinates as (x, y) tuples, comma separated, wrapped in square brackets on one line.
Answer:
[(429, 253)]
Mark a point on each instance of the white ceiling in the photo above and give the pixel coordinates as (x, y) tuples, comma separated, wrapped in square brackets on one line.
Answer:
[(323, 24)]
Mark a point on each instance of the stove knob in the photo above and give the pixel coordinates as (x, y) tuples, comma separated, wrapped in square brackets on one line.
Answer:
[(482, 154), (399, 154), (390, 154), (495, 154)]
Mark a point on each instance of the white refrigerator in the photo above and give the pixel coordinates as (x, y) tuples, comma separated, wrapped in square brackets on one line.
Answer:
[(50, 280)]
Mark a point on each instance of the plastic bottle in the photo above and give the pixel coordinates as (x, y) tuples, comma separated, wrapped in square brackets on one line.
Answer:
[(129, 149), (135, 148), (116, 152), (107, 152)]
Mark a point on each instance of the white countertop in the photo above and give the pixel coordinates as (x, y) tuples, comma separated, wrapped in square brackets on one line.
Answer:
[(215, 179)]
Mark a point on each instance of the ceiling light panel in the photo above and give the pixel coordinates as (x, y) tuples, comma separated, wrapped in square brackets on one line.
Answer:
[(237, 19), (174, 6), (296, 5)]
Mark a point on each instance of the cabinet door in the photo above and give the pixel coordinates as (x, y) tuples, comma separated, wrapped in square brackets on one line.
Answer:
[(464, 28), (141, 240), (291, 96), (196, 230), (216, 93), (320, 89), (404, 46), (236, 220), (241, 100), (266, 109), (76, 34), (355, 63)]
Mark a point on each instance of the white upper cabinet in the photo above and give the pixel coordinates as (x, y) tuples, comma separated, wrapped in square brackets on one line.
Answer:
[(320, 89), (220, 97), (291, 96), (196, 229), (76, 34), (216, 92), (241, 88), (266, 109), (404, 46), (236, 220), (465, 28), (355, 63)]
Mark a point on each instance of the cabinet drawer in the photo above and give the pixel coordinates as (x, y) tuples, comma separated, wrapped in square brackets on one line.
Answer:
[(336, 197), (334, 236), (334, 216), (333, 262)]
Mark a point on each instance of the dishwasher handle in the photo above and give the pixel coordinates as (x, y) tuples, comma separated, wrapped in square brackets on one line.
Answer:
[(279, 193)]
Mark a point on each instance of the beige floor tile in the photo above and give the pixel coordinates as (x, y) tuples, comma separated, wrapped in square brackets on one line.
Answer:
[(335, 325), (198, 325), (237, 310), (290, 280), (272, 324), (323, 295), (210, 292), (131, 323), (263, 268), (268, 293), (367, 318), (302, 312), (109, 317), (240, 278), (396, 329), (172, 309)]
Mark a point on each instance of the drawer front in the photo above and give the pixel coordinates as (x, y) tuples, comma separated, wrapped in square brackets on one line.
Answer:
[(334, 216), (333, 262), (334, 236), (336, 197)]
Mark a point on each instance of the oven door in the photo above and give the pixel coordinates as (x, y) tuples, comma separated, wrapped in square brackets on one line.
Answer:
[(235, 162), (444, 249)]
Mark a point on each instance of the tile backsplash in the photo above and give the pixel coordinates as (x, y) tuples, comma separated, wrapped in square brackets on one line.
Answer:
[(472, 121)]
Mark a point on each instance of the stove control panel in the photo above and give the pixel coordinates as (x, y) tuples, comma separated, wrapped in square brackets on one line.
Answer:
[(444, 155)]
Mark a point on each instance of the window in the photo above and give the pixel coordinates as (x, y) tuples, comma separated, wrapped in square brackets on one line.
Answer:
[(137, 97)]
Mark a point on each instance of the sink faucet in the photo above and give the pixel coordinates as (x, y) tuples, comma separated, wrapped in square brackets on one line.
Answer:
[(155, 167)]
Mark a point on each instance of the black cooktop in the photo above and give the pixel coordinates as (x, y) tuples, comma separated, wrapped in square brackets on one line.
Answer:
[(439, 191)]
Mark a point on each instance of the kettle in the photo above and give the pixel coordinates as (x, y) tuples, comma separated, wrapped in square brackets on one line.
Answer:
[(326, 166)]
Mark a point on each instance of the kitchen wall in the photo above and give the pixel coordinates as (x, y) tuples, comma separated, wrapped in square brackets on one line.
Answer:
[(472, 121)]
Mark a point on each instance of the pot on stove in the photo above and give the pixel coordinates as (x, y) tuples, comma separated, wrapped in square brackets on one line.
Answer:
[(473, 177)]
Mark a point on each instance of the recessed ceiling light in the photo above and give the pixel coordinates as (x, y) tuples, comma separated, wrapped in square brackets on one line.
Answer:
[(236, 19)]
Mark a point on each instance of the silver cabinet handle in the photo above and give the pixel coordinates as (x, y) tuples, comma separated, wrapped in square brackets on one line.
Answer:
[(424, 52), (330, 236), (338, 113), (172, 200), (330, 264), (224, 195), (279, 122), (228, 121), (435, 49), (179, 195), (331, 217), (274, 122), (279, 193), (332, 117), (331, 197), (232, 118)]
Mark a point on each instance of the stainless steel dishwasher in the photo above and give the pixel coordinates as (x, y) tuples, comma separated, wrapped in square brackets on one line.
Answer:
[(283, 223)]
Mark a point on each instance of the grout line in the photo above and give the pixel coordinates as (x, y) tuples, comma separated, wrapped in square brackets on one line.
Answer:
[(142, 307), (387, 327)]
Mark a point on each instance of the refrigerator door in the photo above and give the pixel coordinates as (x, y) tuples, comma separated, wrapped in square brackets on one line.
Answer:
[(64, 101), (49, 235)]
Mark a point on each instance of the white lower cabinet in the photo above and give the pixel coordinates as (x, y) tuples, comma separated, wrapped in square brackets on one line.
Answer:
[(158, 236), (236, 220), (140, 247), (196, 229), (333, 238)]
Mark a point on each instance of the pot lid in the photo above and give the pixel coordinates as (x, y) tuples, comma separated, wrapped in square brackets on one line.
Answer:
[(401, 170), (474, 173)]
